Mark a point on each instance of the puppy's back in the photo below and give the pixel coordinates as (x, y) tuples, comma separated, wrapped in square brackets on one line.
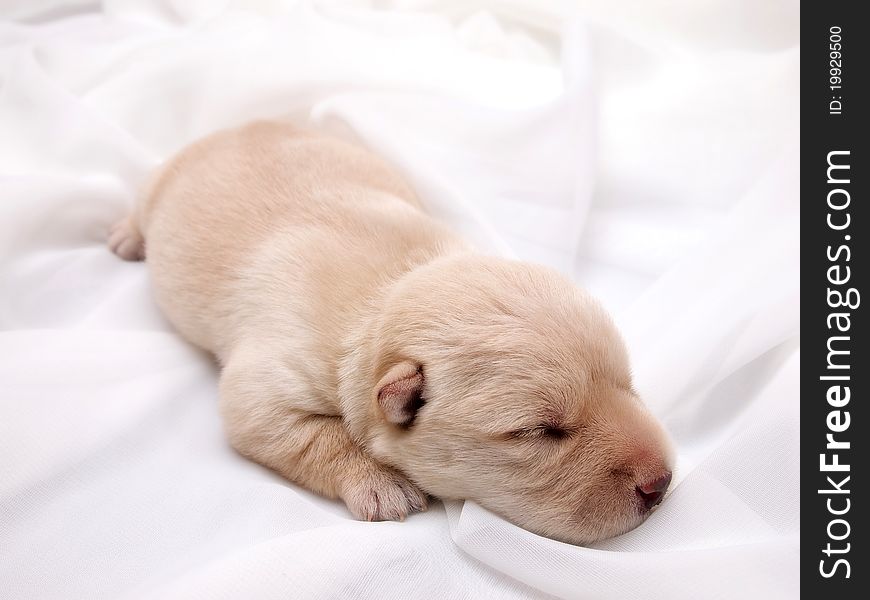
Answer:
[(267, 170), (223, 203)]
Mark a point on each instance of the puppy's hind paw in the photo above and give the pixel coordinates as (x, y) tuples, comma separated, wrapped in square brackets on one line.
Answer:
[(382, 494), (126, 241)]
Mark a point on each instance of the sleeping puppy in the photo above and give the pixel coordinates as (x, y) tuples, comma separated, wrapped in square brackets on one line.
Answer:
[(369, 354)]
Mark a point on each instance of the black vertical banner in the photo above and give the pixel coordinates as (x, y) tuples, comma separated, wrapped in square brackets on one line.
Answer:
[(835, 222)]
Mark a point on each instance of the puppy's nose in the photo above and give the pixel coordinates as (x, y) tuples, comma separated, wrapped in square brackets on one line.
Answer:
[(652, 492)]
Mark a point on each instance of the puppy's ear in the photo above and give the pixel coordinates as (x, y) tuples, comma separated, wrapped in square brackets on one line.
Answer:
[(399, 393)]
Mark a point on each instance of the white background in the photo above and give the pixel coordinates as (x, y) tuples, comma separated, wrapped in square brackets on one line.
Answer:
[(649, 149)]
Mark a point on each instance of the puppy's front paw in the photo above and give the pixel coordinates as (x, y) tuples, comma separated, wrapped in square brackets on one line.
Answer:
[(382, 494)]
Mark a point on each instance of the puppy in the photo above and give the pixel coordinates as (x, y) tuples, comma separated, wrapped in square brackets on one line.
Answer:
[(370, 354)]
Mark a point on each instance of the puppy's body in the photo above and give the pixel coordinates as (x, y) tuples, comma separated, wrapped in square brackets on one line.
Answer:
[(316, 222), (367, 352)]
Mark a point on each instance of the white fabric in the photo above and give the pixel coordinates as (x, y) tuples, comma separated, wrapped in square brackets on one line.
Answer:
[(647, 148)]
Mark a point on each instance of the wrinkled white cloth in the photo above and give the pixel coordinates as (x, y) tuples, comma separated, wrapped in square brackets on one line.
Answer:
[(647, 149)]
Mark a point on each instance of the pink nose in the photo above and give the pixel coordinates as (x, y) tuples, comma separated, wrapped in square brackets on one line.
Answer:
[(652, 492)]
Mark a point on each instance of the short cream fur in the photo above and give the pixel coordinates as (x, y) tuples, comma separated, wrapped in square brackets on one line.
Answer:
[(370, 354)]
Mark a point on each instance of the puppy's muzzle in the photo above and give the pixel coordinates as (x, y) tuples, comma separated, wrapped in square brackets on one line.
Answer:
[(652, 492)]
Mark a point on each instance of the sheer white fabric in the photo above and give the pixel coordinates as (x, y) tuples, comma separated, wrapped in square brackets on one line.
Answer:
[(648, 149)]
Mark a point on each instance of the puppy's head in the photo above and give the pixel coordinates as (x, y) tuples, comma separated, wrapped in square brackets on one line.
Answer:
[(503, 383)]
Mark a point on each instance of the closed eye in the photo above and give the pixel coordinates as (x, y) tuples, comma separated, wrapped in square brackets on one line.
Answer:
[(542, 431)]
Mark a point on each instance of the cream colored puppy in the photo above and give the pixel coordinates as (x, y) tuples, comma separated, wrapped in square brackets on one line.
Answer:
[(369, 354)]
